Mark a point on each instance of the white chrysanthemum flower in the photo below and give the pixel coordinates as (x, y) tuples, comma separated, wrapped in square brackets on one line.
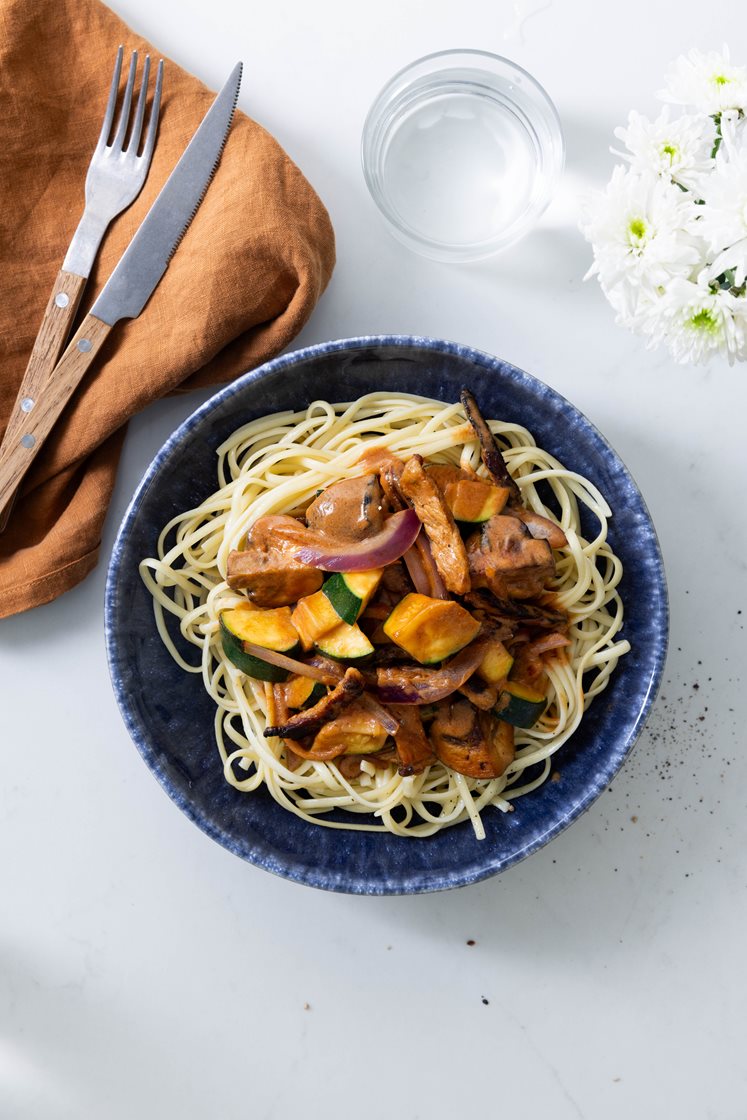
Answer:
[(708, 81), (733, 129), (680, 149), (698, 322), (722, 220), (669, 232), (640, 230)]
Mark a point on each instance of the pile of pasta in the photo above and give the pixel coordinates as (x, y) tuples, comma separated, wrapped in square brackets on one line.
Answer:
[(278, 463)]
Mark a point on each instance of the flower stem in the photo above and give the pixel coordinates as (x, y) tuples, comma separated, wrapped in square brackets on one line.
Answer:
[(719, 137)]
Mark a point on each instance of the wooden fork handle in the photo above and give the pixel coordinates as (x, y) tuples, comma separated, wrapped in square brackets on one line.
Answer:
[(27, 430), (53, 332)]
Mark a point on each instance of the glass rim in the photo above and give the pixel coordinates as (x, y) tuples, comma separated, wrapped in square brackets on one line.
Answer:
[(376, 120)]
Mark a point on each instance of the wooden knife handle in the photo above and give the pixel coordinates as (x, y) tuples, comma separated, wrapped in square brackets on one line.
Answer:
[(27, 430), (55, 327)]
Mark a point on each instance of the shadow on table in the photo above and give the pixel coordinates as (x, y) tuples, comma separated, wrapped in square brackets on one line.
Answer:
[(66, 1053)]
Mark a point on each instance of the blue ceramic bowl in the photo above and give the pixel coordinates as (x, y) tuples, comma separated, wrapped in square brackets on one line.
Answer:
[(170, 717)]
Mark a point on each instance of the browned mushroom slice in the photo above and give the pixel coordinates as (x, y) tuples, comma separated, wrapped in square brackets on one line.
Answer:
[(356, 731), (428, 502), (349, 765), (394, 584), (349, 510), (504, 557), (389, 475), (490, 452), (483, 695), (513, 613), (308, 721), (473, 743), (414, 750), (541, 528)]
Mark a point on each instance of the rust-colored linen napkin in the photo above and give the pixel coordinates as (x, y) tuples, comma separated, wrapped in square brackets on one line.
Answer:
[(243, 282)]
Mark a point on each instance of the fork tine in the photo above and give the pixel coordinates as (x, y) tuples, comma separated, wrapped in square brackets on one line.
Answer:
[(111, 103), (150, 137), (134, 141), (124, 115)]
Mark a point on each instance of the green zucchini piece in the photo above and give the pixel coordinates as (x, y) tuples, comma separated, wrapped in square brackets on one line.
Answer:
[(496, 664), (430, 629), (350, 592), (475, 501), (313, 616), (303, 692), (271, 629), (345, 642), (520, 704)]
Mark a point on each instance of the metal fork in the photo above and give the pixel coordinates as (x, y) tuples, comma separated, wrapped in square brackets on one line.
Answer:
[(115, 177)]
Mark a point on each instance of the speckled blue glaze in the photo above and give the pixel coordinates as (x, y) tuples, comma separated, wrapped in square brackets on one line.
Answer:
[(170, 717)]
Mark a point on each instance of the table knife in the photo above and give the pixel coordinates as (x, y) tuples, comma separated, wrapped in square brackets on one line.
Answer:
[(128, 289)]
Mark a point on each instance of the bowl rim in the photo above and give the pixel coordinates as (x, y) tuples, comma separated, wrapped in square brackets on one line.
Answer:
[(418, 883)]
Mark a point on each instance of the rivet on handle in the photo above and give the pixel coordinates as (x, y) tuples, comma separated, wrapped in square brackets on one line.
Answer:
[(27, 404), (84, 345), (28, 440), (62, 299)]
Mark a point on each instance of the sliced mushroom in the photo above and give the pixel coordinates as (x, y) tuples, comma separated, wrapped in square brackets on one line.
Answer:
[(471, 742), (414, 749), (348, 510), (415, 684), (512, 613), (504, 557), (308, 721), (490, 452), (541, 528), (483, 695)]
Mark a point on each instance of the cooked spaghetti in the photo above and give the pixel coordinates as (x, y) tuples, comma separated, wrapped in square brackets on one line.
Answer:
[(277, 464)]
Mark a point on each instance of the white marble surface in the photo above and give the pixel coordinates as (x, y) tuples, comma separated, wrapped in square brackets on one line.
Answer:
[(145, 971)]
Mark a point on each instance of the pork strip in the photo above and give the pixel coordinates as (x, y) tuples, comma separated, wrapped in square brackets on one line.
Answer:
[(447, 546), (267, 568)]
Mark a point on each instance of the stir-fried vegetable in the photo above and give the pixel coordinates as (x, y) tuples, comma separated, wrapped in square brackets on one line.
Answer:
[(272, 630), (393, 541), (430, 629), (437, 656)]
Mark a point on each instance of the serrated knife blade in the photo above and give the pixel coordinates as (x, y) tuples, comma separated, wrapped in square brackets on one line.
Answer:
[(147, 257), (127, 290)]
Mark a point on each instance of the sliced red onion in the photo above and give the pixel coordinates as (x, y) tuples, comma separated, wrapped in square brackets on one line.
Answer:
[(379, 712), (290, 663), (550, 641), (437, 589), (383, 548), (333, 669), (416, 571), (411, 685)]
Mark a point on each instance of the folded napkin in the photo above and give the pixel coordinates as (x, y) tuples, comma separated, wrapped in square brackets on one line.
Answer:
[(243, 282)]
